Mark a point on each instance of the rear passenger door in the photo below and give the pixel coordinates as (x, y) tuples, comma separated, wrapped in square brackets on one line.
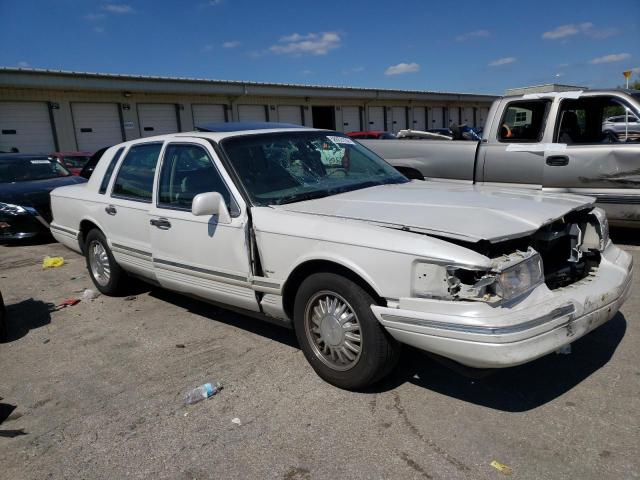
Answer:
[(199, 255), (126, 215)]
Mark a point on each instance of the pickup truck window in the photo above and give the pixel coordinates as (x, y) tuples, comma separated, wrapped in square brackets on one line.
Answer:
[(595, 120), (524, 121), (135, 177), (109, 172), (289, 167), (188, 170)]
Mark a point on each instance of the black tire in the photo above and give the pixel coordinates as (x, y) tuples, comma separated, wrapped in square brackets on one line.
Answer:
[(379, 351), (117, 276)]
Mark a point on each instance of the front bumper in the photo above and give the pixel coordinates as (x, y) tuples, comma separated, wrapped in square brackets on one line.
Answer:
[(479, 335), (22, 226)]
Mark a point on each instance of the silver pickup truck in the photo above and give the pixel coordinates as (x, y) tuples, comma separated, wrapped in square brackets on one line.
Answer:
[(557, 142)]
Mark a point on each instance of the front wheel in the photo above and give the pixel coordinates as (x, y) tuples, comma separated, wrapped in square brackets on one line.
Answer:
[(106, 274), (338, 333)]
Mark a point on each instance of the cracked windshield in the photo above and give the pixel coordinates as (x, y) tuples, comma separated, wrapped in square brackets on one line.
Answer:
[(284, 168)]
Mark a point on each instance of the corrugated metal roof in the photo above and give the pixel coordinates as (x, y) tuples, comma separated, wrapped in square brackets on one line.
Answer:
[(119, 76)]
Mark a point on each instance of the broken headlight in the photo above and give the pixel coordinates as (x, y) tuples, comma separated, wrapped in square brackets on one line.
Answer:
[(521, 277), (512, 276)]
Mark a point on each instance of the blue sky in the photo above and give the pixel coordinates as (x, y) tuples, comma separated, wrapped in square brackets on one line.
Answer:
[(454, 46)]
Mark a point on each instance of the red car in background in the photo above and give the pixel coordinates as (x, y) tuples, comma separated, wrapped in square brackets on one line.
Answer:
[(373, 135), (74, 161)]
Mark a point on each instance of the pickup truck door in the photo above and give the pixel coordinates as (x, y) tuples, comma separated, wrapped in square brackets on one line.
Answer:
[(199, 254), (124, 213), (595, 162), (511, 153)]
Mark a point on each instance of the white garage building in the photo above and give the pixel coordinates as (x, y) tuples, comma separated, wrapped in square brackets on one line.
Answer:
[(46, 111)]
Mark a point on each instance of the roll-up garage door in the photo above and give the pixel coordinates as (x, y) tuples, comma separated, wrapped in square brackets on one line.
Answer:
[(290, 114), (157, 119), (26, 126), (398, 119), (437, 117), (376, 118), (483, 113), (203, 114), (419, 120), (252, 113), (96, 125), (351, 119), (454, 118), (467, 116)]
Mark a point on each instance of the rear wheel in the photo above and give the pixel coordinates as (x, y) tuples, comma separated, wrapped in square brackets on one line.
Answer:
[(338, 333), (106, 274)]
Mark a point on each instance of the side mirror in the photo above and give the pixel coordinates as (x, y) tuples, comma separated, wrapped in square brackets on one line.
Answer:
[(210, 203)]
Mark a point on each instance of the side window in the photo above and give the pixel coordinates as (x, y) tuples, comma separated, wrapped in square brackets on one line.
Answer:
[(524, 121), (187, 170), (593, 120), (135, 177), (109, 172)]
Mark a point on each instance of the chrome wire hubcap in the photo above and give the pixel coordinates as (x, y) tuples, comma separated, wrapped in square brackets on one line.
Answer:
[(99, 263), (333, 330)]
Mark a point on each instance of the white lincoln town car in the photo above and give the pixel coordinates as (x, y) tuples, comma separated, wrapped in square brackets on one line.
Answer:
[(309, 229)]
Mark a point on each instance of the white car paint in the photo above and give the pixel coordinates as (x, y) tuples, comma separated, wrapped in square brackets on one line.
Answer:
[(378, 233)]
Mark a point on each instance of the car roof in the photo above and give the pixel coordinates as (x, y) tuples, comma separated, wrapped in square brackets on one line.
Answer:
[(73, 154), (243, 126), (218, 136), (23, 156)]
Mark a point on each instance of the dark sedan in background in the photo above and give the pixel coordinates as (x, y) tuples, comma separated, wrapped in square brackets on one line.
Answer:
[(25, 183)]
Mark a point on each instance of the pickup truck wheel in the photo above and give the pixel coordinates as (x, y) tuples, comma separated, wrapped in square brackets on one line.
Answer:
[(338, 333), (105, 273)]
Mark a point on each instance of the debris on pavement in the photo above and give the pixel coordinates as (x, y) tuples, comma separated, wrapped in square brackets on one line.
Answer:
[(179, 345), (69, 302), (52, 262), (89, 294), (236, 421), (45, 340), (203, 391), (501, 467), (130, 297), (565, 350)]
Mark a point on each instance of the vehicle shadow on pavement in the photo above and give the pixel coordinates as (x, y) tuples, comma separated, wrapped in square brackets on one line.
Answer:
[(245, 322), (5, 413), (25, 316), (515, 389)]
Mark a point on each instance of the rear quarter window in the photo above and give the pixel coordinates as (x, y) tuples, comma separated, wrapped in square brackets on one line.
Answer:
[(136, 173), (109, 172)]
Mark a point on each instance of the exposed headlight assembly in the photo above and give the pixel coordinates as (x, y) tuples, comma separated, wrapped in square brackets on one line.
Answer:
[(513, 276), (518, 276)]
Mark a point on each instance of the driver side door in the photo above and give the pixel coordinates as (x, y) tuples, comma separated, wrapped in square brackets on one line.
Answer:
[(201, 255)]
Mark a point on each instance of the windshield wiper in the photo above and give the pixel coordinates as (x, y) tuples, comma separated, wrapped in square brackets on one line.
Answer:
[(299, 197)]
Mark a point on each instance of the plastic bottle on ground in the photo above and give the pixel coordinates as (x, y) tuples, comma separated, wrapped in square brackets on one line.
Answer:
[(203, 391)]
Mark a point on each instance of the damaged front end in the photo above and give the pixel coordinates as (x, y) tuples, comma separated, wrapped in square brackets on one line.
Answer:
[(558, 255)]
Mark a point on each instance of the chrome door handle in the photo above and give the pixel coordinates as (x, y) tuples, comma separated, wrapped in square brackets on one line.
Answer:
[(111, 210), (161, 223)]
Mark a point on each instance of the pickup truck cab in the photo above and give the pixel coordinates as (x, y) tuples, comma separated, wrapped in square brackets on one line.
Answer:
[(555, 142), (352, 255)]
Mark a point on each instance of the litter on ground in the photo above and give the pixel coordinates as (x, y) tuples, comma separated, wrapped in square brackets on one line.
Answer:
[(501, 467), (52, 262)]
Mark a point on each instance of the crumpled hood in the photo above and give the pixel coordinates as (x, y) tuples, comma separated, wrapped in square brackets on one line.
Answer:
[(466, 212)]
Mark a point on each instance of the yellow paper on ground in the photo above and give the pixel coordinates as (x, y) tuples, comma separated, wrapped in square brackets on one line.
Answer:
[(501, 467), (52, 262)]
